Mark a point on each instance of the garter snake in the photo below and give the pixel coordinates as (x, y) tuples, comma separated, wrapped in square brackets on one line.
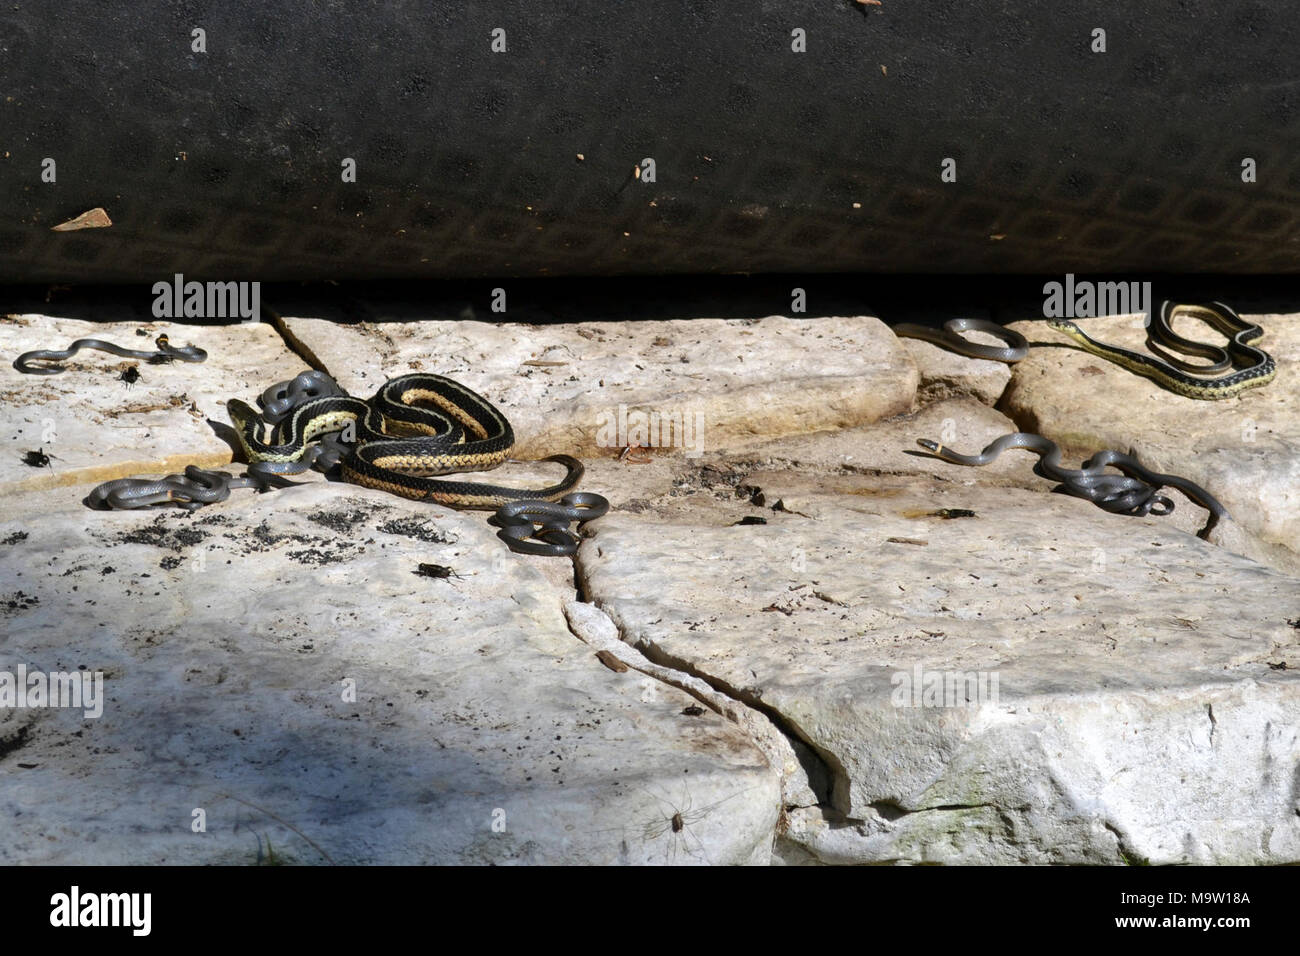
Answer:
[(415, 427), (1258, 367)]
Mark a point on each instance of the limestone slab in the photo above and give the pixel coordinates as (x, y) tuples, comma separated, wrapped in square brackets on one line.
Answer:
[(1142, 709), (96, 427), (277, 663), (1244, 450), (566, 387)]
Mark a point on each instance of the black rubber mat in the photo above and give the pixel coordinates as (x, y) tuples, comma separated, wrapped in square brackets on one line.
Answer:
[(226, 164)]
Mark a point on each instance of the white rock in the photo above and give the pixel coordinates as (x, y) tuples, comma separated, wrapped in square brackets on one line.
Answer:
[(226, 638), (724, 381), (96, 428), (1113, 640)]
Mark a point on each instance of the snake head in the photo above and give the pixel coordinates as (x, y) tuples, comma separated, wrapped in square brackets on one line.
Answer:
[(1063, 325), (241, 413), (930, 446)]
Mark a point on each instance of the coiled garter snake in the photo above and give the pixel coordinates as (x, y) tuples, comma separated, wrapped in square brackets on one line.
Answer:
[(1258, 367), (414, 428)]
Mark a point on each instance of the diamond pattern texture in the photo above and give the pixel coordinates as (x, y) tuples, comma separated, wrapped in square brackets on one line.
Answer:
[(226, 164)]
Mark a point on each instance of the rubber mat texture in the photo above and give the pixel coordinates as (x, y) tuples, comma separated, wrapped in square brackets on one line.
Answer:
[(227, 164)]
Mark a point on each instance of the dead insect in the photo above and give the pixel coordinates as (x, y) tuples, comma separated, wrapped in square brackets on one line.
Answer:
[(435, 571), (695, 710), (1279, 666), (130, 376), (38, 459)]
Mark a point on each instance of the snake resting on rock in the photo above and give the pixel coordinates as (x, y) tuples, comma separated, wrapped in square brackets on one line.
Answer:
[(414, 428), (1238, 366), (1135, 492), (166, 353)]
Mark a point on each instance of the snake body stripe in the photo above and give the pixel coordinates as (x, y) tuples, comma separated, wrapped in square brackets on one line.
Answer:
[(444, 427), (1172, 373)]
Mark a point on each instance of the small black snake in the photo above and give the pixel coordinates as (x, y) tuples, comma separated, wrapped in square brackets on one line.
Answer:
[(950, 338), (166, 353), (1133, 493)]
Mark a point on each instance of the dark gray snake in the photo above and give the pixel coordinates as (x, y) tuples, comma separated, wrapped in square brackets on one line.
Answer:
[(1135, 492), (166, 353), (519, 521), (950, 338), (194, 489)]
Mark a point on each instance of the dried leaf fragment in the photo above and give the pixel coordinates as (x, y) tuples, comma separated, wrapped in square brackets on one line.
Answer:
[(95, 218)]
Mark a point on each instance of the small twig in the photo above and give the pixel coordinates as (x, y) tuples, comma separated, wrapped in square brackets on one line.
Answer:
[(312, 843)]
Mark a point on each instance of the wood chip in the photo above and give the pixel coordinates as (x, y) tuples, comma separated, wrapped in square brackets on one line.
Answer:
[(95, 218)]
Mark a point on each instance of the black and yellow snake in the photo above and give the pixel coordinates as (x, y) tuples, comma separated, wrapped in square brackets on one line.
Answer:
[(414, 428)]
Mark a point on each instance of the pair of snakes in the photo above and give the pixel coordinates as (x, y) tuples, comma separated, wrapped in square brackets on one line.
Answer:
[(1205, 382), (1135, 491)]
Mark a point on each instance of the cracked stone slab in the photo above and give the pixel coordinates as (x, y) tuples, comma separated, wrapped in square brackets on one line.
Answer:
[(96, 427), (1244, 450), (743, 485), (276, 663), (711, 489), (1141, 709), (799, 770), (562, 386)]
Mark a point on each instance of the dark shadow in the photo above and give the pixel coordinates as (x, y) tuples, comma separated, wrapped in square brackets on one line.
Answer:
[(922, 299)]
